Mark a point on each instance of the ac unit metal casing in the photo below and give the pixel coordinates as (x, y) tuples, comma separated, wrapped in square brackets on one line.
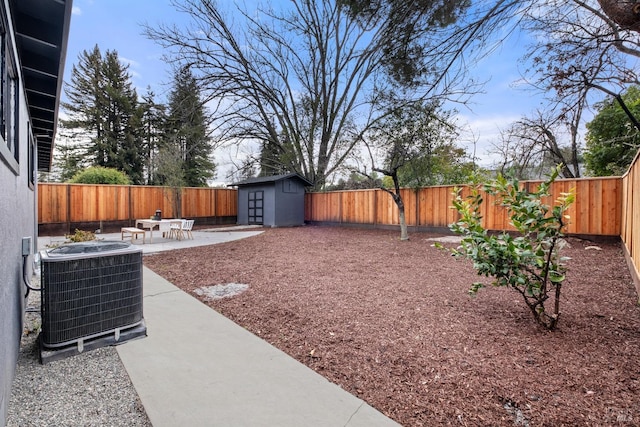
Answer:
[(89, 290)]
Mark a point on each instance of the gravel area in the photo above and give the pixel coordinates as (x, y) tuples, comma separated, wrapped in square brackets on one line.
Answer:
[(90, 389)]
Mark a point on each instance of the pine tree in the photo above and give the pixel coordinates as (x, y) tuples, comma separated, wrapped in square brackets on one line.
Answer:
[(86, 100), (122, 133), (271, 160), (153, 118), (103, 103), (186, 129), (70, 156)]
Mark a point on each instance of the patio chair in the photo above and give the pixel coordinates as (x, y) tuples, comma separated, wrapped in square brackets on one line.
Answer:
[(176, 229), (187, 225), (180, 229)]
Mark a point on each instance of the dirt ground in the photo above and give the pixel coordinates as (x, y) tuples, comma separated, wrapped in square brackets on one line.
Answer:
[(392, 323)]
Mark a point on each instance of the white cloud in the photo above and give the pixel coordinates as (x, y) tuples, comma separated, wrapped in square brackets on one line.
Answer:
[(75, 10), (129, 62), (132, 64)]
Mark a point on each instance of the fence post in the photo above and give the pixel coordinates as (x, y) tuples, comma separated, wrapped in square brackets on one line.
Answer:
[(416, 192), (68, 208), (130, 207), (375, 207)]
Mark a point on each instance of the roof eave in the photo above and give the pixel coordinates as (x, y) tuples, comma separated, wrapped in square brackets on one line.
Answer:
[(41, 30)]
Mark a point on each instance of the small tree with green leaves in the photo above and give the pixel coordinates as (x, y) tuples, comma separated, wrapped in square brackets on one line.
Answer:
[(529, 261)]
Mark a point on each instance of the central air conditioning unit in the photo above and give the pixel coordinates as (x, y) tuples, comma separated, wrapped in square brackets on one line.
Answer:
[(91, 297)]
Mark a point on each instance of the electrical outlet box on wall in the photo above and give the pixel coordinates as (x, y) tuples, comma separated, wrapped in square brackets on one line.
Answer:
[(26, 246)]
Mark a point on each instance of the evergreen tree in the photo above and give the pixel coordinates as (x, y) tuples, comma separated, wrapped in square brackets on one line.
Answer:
[(153, 118), (122, 133), (187, 129), (103, 103), (86, 100), (272, 160), (70, 155)]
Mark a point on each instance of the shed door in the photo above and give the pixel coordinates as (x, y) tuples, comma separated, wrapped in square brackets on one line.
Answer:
[(256, 199)]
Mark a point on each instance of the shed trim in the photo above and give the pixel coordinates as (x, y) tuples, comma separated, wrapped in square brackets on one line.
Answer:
[(271, 179)]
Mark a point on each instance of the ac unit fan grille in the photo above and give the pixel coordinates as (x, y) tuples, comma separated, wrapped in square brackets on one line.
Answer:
[(90, 296)]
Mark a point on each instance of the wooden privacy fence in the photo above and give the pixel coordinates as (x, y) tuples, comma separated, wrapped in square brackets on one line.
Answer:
[(597, 210), (68, 204), (630, 218)]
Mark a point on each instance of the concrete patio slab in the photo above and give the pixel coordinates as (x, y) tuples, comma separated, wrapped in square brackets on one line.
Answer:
[(159, 244)]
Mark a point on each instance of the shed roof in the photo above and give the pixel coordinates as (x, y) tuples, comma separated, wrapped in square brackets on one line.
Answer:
[(271, 179), (42, 31)]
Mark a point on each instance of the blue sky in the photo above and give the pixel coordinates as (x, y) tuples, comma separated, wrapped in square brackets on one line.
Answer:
[(116, 25)]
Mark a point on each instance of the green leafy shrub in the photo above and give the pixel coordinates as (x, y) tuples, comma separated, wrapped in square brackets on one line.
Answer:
[(100, 175), (529, 261)]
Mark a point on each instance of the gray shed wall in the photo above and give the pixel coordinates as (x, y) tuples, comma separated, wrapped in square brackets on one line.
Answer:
[(290, 203), (283, 203)]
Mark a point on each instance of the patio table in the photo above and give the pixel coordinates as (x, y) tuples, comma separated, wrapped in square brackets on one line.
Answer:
[(163, 225)]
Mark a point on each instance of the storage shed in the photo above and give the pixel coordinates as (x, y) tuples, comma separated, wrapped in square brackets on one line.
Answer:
[(273, 201)]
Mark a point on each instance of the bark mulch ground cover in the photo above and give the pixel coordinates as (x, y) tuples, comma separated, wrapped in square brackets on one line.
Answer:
[(392, 323)]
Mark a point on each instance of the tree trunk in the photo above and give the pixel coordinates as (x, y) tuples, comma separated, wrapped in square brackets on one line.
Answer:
[(625, 13), (403, 224), (175, 197)]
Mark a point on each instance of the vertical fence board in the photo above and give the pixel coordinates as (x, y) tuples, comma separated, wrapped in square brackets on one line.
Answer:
[(611, 204), (410, 204)]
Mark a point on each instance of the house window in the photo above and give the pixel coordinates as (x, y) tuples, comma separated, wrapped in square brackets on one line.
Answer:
[(9, 98)]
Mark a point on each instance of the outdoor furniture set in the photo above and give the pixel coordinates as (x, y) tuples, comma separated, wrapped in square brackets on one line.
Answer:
[(171, 228)]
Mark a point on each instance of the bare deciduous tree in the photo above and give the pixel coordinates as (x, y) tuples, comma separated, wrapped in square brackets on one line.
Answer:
[(533, 145), (308, 79), (625, 13), (577, 49)]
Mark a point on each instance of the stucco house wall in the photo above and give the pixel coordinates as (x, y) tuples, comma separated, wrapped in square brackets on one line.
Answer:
[(18, 216), (17, 219), (26, 55)]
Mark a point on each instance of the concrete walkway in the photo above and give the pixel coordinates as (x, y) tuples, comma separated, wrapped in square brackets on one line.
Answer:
[(197, 368)]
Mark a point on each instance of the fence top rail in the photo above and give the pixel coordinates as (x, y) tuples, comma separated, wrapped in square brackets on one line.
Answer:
[(129, 185), (589, 178)]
